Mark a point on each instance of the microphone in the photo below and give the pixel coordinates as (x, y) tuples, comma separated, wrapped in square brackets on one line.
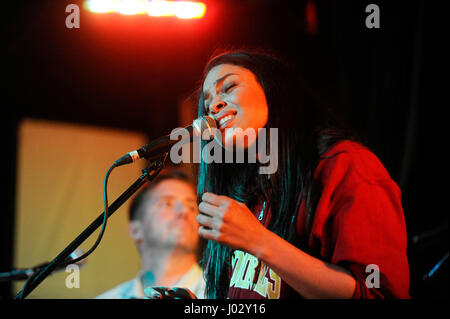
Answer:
[(164, 143), (22, 274)]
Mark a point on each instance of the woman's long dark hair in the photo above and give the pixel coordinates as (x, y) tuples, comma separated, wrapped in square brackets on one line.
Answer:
[(305, 131)]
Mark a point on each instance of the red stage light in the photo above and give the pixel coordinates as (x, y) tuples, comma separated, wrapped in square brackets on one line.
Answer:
[(155, 8), (132, 7), (311, 17)]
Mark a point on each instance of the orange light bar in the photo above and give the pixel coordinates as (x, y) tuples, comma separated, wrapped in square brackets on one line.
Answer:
[(102, 6), (155, 8), (132, 7)]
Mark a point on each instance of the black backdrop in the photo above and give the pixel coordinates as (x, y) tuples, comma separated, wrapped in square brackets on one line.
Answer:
[(390, 84)]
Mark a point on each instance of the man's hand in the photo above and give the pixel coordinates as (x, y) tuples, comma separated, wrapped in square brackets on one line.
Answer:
[(168, 293)]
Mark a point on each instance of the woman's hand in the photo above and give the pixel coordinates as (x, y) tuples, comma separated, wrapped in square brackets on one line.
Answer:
[(168, 293), (229, 222)]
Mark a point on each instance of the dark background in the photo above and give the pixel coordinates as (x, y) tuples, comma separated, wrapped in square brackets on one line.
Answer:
[(131, 72)]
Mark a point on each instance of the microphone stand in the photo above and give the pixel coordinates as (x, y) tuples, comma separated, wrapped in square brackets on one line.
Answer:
[(18, 274), (148, 174)]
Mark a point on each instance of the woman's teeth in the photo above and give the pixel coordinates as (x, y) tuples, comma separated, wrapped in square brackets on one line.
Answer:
[(225, 119)]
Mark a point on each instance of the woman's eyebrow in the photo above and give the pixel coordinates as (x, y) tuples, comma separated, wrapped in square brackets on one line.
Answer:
[(221, 79)]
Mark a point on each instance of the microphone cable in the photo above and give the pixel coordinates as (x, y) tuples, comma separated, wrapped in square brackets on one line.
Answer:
[(97, 242), (105, 219)]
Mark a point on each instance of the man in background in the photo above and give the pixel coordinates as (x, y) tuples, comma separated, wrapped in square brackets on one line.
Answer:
[(162, 222)]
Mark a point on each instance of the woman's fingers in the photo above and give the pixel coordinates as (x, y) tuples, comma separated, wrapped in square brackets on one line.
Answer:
[(209, 209), (208, 222), (214, 199), (219, 218), (208, 233)]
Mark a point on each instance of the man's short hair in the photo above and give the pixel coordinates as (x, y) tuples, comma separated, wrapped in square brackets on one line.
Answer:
[(165, 174)]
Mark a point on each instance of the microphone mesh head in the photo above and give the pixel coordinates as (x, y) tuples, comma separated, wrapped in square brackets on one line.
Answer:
[(208, 122), (205, 123)]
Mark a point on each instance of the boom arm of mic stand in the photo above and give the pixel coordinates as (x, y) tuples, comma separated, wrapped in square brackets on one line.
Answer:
[(149, 173)]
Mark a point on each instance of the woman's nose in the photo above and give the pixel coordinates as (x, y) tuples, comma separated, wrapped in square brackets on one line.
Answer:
[(216, 107)]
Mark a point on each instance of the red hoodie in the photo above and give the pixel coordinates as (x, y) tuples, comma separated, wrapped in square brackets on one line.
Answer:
[(358, 224)]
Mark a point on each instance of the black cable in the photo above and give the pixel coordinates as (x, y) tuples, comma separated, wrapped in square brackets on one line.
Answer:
[(30, 279), (105, 219), (97, 242)]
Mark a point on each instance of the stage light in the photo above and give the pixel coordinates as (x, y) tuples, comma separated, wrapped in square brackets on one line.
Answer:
[(155, 8), (160, 8), (131, 7), (102, 6), (189, 10)]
